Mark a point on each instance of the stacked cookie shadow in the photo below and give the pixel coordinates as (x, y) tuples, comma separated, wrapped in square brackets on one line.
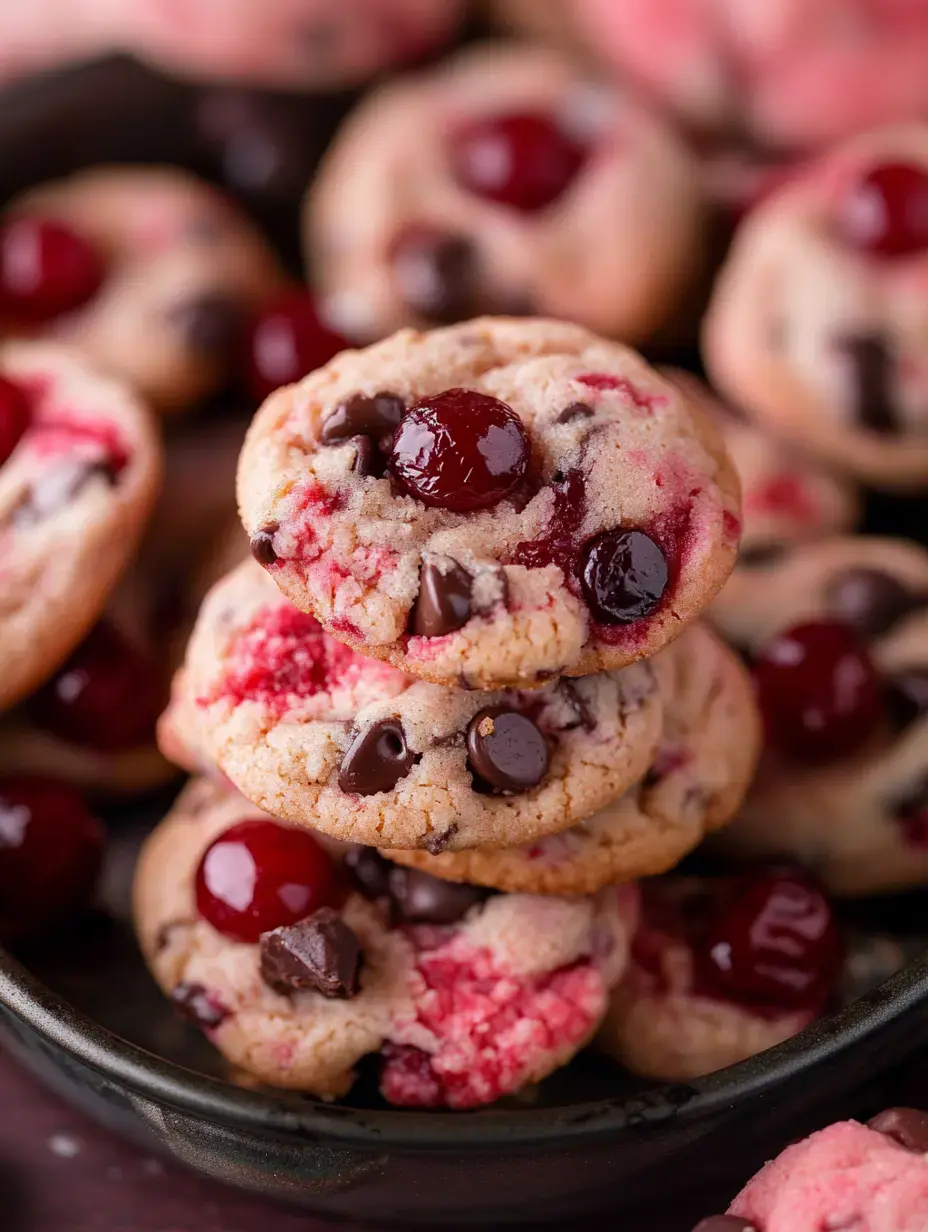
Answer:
[(456, 705)]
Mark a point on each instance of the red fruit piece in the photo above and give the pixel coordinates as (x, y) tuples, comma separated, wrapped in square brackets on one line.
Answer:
[(46, 269), (15, 414), (287, 340), (260, 875), (818, 691), (460, 450), (885, 213), (524, 161), (773, 942), (107, 696), (51, 849)]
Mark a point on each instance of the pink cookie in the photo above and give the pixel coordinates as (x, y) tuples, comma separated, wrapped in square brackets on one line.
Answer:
[(818, 322), (721, 970), (870, 1178), (529, 188), (787, 73), (467, 998)]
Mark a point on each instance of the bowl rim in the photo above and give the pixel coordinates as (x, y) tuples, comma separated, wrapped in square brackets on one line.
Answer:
[(165, 1082)]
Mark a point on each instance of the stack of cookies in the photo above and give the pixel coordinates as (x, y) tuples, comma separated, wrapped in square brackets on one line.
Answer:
[(455, 706)]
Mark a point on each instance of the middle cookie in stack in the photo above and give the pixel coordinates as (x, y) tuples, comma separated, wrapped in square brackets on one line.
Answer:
[(475, 543)]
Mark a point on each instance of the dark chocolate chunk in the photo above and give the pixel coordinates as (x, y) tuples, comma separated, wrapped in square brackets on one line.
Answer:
[(420, 898), (57, 486), (197, 1005), (211, 324), (624, 576), (320, 953), (724, 1223), (907, 1126), (262, 544), (369, 871), (436, 274), (444, 601), (907, 696), (375, 415), (369, 461), (870, 601), (437, 843), (377, 758), (870, 374), (506, 751), (575, 411)]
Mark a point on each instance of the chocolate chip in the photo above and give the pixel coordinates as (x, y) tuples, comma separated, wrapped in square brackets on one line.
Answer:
[(421, 898), (575, 411), (197, 1005), (437, 843), (211, 324), (725, 1223), (369, 871), (369, 460), (870, 601), (56, 487), (506, 751), (376, 759), (907, 696), (375, 415), (761, 554), (444, 601), (320, 953), (624, 576), (436, 274), (870, 376), (262, 544), (907, 1126)]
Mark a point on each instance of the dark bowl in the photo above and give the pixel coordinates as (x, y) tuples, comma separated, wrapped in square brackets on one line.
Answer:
[(87, 1019)]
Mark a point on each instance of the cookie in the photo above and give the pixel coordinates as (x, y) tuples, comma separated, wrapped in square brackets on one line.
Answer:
[(531, 188), (147, 273), (705, 762), (839, 634), (80, 465), (721, 970), (466, 998), (552, 505), (784, 74), (818, 323), (315, 734)]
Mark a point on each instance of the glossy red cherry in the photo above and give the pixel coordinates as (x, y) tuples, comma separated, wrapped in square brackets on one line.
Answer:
[(15, 414), (51, 849), (774, 942), (107, 696), (886, 211), (460, 450), (521, 160), (818, 691), (285, 342), (46, 269), (260, 875)]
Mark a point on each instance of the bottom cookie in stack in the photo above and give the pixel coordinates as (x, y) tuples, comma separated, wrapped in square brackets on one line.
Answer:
[(298, 959)]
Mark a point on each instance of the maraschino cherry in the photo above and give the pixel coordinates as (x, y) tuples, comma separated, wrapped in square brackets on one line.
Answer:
[(259, 875), (885, 212), (522, 160), (818, 690), (285, 342), (46, 269)]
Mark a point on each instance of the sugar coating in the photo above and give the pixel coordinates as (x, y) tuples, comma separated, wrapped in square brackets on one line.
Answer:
[(617, 252), (169, 241), (349, 549), (463, 1013), (276, 703), (58, 570), (703, 767), (845, 1176), (792, 289)]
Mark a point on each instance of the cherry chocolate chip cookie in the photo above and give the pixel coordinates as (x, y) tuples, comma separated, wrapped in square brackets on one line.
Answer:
[(493, 504)]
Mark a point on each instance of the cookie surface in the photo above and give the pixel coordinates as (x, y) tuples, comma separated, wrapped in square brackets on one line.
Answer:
[(570, 510), (180, 273), (322, 737), (78, 477), (818, 322), (704, 765), (530, 976), (597, 215)]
